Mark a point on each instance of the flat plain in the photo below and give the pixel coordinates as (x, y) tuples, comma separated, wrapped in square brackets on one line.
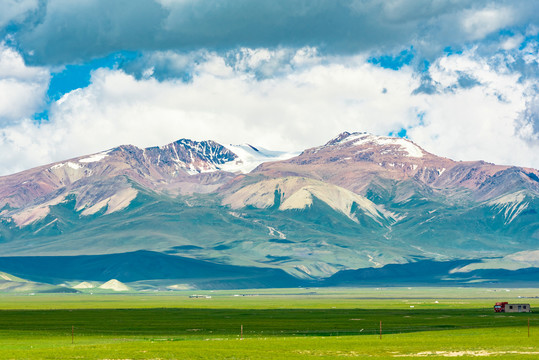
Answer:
[(277, 324)]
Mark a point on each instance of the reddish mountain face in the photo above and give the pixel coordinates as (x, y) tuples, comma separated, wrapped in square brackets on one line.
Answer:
[(184, 166), (355, 161)]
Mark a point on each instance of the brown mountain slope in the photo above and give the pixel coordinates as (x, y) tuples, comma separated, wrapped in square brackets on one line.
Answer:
[(106, 179), (355, 161)]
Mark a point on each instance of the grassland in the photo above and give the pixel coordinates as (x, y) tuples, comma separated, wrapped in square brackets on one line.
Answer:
[(278, 324)]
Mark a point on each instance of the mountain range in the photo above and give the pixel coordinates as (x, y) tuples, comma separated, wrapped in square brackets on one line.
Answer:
[(357, 208)]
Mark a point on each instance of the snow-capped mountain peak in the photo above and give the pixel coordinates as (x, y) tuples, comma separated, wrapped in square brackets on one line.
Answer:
[(363, 138), (209, 156), (249, 157)]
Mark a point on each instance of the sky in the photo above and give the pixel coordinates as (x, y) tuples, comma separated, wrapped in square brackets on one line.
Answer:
[(459, 78)]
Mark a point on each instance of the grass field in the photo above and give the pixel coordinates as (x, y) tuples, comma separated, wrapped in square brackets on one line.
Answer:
[(277, 324)]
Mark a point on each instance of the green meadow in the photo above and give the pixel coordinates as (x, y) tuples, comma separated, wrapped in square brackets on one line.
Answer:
[(277, 324)]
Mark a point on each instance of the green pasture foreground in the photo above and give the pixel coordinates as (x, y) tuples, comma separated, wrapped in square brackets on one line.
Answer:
[(277, 324), (510, 343)]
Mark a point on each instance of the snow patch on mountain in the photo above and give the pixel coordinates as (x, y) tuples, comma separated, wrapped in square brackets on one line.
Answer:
[(249, 157), (184, 155), (69, 164), (95, 157), (196, 157), (363, 138), (410, 148), (73, 165)]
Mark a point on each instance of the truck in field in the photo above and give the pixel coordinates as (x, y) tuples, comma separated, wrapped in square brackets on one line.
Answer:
[(506, 307)]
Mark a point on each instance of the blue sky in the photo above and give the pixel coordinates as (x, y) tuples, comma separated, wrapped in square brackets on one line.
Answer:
[(460, 78)]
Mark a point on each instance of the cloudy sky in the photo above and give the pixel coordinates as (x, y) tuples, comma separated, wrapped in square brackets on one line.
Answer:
[(460, 78)]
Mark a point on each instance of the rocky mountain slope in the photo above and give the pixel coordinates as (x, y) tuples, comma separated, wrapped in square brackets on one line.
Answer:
[(107, 179), (361, 161), (359, 201)]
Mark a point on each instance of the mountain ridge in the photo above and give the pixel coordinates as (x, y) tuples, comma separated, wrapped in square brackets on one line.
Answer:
[(384, 154), (358, 201)]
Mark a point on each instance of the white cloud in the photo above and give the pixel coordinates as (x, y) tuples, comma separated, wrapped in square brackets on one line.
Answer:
[(22, 88), (303, 107), (299, 110), (480, 23), (511, 42), (15, 10), (481, 122), (531, 53)]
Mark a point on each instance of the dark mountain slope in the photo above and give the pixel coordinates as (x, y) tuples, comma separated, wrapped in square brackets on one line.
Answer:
[(142, 265)]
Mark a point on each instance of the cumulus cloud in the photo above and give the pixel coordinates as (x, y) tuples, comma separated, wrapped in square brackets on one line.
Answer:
[(70, 31), (15, 11), (22, 88), (528, 122), (302, 109), (491, 121), (479, 23), (262, 63), (316, 99)]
